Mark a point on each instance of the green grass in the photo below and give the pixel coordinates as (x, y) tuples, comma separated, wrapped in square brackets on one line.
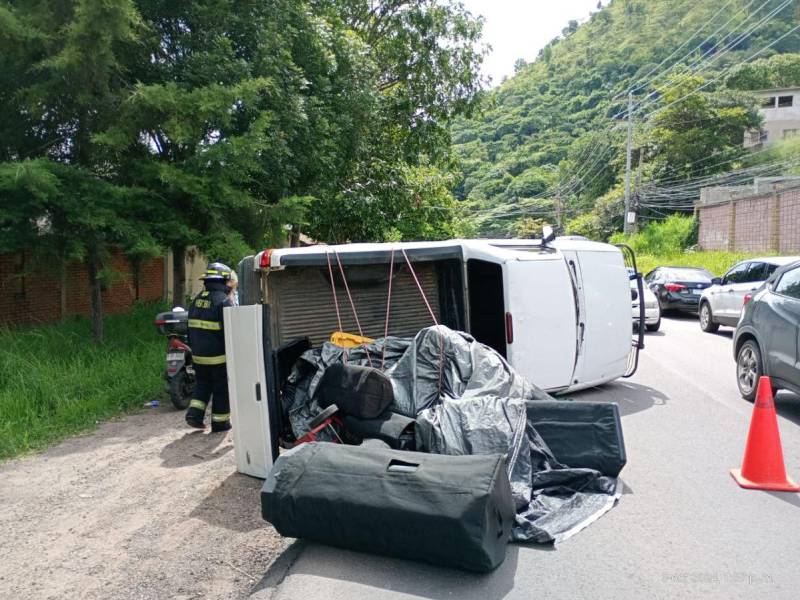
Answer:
[(716, 262), (54, 382)]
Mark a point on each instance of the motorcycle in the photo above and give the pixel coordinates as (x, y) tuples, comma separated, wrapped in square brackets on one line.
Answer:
[(179, 373)]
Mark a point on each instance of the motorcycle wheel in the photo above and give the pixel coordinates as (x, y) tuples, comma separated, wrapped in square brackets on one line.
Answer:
[(181, 388)]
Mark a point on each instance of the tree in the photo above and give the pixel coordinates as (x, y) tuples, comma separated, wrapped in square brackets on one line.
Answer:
[(697, 134), (65, 84), (778, 71)]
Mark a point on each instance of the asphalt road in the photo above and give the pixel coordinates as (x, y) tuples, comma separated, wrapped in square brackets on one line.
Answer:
[(683, 528)]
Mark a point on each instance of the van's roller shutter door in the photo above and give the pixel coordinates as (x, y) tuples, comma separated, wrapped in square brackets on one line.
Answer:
[(304, 303)]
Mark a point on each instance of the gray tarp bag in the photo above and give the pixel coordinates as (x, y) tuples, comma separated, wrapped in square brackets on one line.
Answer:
[(478, 405), (453, 511)]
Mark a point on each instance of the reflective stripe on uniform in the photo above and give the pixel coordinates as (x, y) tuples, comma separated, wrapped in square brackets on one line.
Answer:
[(200, 324), (221, 418), (199, 404), (209, 360)]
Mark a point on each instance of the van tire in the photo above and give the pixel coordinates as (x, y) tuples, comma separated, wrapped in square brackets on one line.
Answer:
[(707, 323)]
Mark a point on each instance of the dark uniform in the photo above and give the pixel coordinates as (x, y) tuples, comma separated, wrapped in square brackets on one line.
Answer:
[(207, 341)]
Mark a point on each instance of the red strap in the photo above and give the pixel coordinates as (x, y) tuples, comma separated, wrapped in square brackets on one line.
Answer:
[(352, 304), (333, 291), (419, 287), (430, 310)]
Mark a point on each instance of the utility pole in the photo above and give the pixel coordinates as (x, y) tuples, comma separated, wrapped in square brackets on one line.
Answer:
[(626, 225), (558, 209)]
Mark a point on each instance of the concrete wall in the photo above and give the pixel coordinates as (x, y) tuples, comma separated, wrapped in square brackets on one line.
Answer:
[(768, 223), (196, 265), (779, 122)]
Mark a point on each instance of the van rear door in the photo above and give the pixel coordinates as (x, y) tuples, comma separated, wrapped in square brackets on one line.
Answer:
[(540, 305)]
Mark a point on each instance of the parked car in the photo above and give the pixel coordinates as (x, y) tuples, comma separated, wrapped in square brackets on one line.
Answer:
[(721, 304), (767, 336), (678, 288), (652, 313)]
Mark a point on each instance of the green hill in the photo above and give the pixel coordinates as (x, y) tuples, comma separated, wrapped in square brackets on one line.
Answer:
[(550, 141)]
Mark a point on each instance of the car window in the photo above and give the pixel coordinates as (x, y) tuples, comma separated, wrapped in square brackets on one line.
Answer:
[(755, 273), (651, 276), (769, 271), (789, 284), (699, 275), (736, 275)]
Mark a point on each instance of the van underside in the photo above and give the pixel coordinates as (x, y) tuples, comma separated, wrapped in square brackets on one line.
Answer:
[(467, 298)]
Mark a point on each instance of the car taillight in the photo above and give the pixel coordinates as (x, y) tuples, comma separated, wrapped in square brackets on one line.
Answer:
[(266, 256), (160, 322), (674, 287), (509, 328), (747, 298)]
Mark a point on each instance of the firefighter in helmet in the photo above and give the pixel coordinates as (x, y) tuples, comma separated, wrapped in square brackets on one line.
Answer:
[(207, 341)]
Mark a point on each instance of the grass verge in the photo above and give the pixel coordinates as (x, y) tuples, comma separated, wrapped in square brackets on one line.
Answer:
[(54, 382), (716, 262)]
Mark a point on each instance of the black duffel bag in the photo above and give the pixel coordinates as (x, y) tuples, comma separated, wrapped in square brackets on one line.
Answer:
[(581, 434), (455, 511), (362, 392)]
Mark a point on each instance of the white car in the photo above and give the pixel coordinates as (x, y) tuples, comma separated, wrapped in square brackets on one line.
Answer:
[(722, 303), (652, 312)]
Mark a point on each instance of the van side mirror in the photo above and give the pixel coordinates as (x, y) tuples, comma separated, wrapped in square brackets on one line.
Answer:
[(716, 281)]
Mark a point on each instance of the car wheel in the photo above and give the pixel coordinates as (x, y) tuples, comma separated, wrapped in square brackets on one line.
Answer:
[(749, 369), (654, 326), (706, 320)]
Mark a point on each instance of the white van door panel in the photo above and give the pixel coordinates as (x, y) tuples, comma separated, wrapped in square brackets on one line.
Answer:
[(248, 388), (608, 328), (539, 297)]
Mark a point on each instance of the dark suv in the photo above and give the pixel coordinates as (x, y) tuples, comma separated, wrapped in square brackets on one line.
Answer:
[(767, 338)]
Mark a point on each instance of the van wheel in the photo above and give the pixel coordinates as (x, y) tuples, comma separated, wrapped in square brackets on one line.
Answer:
[(749, 369), (707, 323), (654, 326)]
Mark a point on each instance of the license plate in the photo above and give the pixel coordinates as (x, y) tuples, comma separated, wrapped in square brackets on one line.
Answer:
[(175, 356), (697, 292)]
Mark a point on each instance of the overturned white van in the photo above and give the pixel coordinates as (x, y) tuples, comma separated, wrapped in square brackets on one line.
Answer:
[(559, 313)]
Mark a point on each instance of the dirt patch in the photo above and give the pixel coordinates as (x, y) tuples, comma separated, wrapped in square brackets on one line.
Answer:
[(142, 508)]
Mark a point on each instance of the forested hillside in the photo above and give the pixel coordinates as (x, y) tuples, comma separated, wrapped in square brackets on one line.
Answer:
[(550, 142)]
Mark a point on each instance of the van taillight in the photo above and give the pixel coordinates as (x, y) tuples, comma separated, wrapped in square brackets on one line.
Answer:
[(509, 328), (747, 298), (266, 255)]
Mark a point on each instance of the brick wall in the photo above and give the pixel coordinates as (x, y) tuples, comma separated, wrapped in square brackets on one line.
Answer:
[(789, 223), (713, 232), (31, 294), (768, 223), (753, 225)]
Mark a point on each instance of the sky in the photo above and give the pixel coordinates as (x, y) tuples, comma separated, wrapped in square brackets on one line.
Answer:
[(520, 28)]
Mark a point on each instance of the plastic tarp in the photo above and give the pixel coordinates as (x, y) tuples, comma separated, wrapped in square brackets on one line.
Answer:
[(468, 400)]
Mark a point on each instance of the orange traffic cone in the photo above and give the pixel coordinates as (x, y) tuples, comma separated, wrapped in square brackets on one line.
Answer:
[(762, 467)]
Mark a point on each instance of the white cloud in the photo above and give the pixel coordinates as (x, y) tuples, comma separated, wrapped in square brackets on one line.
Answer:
[(520, 28)]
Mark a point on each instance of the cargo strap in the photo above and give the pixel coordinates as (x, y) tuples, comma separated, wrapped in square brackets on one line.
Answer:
[(433, 316), (209, 325), (349, 298), (209, 360)]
